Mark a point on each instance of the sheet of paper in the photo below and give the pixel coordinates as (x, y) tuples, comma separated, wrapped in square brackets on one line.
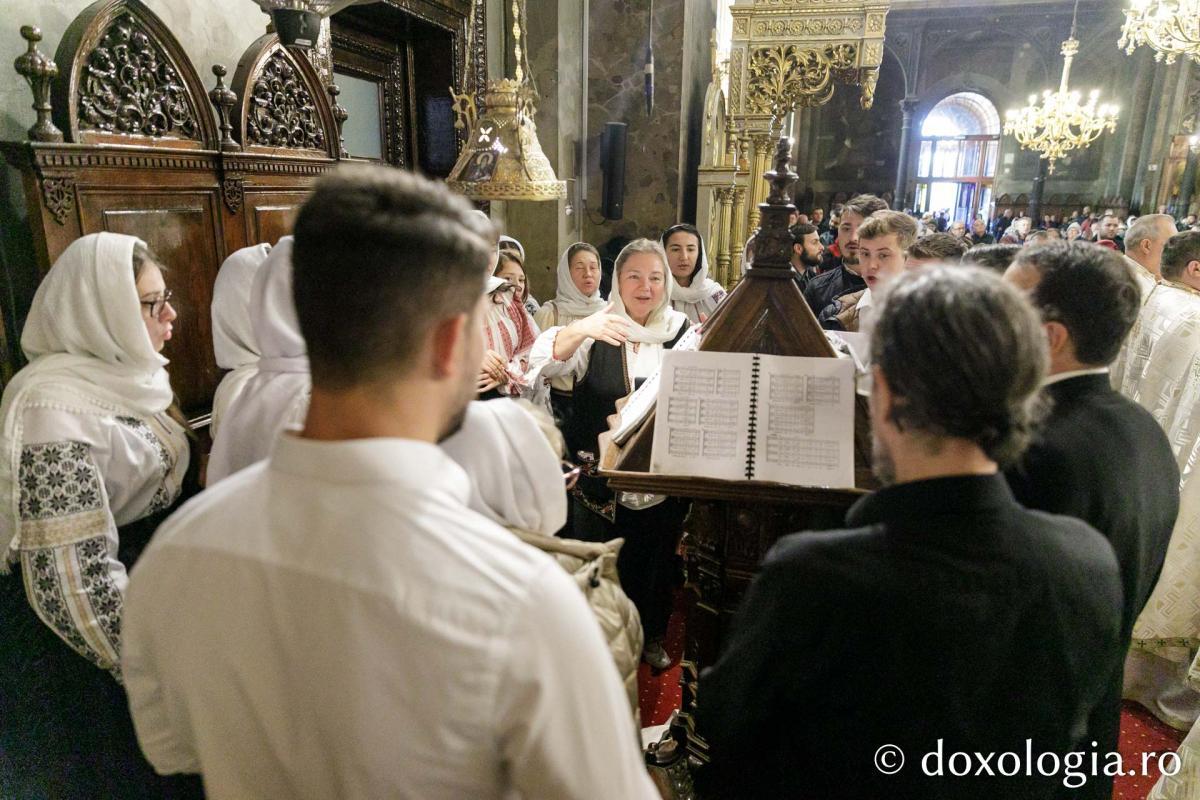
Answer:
[(637, 408), (702, 420), (805, 421)]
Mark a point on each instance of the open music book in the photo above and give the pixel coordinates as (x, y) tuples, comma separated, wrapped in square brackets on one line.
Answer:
[(748, 416)]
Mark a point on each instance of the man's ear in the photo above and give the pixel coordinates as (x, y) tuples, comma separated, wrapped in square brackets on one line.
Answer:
[(448, 338), (1192, 270), (1058, 338), (881, 397)]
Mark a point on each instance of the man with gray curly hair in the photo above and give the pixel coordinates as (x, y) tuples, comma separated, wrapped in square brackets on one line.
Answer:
[(946, 618)]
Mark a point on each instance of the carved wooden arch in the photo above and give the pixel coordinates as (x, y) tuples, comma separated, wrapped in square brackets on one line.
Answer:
[(282, 104), (123, 77)]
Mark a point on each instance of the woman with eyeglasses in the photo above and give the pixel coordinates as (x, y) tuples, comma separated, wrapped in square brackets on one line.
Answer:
[(609, 354), (92, 455)]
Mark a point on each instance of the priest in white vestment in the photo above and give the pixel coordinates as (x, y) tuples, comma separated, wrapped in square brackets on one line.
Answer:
[(1163, 375), (1144, 243), (336, 622)]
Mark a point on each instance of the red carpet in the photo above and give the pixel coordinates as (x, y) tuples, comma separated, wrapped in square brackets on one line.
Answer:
[(659, 695)]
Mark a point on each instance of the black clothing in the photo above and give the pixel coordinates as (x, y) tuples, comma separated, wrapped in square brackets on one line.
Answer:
[(647, 559), (986, 238), (829, 286), (652, 534), (1000, 226), (1103, 459), (945, 617), (65, 727)]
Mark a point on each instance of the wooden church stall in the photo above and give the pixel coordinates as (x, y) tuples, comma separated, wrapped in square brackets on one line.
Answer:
[(127, 140)]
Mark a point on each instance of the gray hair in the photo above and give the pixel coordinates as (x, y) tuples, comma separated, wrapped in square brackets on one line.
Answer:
[(964, 355), (640, 246), (1148, 227)]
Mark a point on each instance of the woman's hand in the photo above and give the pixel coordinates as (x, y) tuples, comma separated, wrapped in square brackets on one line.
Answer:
[(604, 326), (494, 366)]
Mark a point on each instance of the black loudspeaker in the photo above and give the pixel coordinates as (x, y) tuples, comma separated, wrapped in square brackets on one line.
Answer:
[(612, 165)]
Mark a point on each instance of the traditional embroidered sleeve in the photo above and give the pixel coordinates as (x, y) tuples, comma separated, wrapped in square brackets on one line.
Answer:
[(73, 578), (542, 361)]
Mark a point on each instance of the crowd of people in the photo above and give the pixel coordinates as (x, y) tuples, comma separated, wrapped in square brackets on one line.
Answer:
[(400, 574)]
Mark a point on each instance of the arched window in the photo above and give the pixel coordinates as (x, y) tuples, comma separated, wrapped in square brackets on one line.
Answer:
[(960, 143)]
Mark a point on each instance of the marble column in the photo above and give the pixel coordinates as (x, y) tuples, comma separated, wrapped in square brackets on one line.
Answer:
[(900, 193), (1035, 197), (1188, 182)]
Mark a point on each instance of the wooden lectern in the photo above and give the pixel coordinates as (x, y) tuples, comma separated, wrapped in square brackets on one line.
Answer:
[(733, 524)]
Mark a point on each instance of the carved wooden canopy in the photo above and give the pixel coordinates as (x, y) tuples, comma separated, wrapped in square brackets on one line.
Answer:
[(123, 76)]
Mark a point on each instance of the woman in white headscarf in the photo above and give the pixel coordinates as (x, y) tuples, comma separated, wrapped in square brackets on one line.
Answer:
[(578, 296), (509, 334), (609, 354), (695, 294), (92, 454), (276, 397), (234, 342), (511, 452)]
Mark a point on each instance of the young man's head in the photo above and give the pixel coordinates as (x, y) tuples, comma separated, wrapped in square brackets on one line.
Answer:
[(996, 257), (959, 356), (854, 212), (936, 248), (389, 275), (1181, 259), (883, 244), (1146, 238), (818, 215), (806, 247), (1087, 297), (1108, 227)]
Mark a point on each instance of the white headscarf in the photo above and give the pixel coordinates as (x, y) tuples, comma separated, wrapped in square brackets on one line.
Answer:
[(695, 292), (278, 395), (664, 322), (88, 351), (516, 478), (568, 299), (520, 248), (234, 342)]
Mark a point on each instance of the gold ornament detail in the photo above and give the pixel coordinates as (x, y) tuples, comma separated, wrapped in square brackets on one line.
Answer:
[(783, 78)]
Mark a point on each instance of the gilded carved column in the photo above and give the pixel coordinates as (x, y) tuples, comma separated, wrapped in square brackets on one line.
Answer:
[(738, 243), (763, 149), (725, 226)]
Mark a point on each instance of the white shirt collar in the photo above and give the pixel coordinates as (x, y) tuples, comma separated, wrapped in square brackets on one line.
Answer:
[(1075, 373), (420, 465)]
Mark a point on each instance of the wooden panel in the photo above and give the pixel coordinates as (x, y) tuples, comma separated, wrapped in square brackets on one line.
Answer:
[(182, 228), (270, 214)]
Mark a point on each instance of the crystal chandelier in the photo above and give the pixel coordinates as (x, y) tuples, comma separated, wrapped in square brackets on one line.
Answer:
[(1170, 27), (1063, 121)]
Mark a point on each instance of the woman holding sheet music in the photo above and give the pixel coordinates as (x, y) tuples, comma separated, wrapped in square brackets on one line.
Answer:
[(608, 354)]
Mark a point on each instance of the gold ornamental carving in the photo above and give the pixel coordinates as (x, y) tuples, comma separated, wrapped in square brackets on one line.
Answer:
[(810, 26), (782, 78)]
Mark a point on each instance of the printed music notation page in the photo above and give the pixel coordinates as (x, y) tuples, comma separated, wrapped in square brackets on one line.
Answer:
[(702, 423), (747, 416)]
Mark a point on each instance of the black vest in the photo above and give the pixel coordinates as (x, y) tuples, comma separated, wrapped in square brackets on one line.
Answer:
[(594, 400)]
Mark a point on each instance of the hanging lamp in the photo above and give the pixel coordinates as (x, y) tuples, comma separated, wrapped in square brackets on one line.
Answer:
[(502, 158), (1061, 122)]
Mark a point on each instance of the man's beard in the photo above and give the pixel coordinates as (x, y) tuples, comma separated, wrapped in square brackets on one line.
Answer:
[(882, 463), (809, 262)]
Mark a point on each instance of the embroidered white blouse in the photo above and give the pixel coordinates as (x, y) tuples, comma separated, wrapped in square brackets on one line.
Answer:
[(81, 477)]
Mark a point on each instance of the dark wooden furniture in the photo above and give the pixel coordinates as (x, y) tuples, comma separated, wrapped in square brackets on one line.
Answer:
[(128, 140), (732, 524)]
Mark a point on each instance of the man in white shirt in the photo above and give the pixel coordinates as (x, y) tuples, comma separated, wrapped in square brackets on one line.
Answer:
[(335, 621)]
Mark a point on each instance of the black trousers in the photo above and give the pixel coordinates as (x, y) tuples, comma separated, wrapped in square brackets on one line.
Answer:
[(646, 563)]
